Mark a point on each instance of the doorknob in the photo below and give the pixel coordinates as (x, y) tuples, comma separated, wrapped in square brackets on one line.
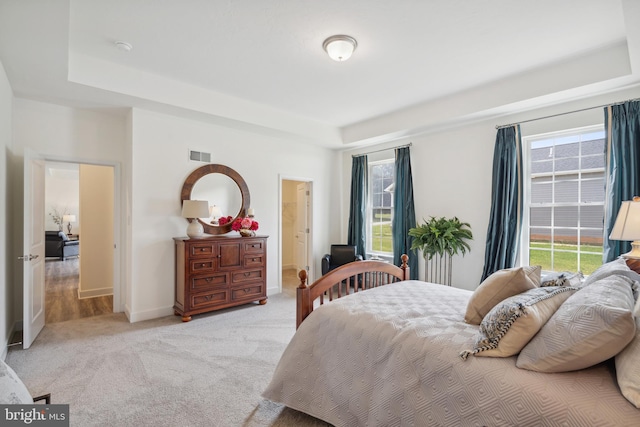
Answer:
[(28, 257)]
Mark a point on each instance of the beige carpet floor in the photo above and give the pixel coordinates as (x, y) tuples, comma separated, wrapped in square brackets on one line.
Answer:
[(207, 372)]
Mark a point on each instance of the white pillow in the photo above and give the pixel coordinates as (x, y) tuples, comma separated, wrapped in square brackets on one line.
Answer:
[(591, 326), (509, 326), (617, 266), (500, 285), (628, 365)]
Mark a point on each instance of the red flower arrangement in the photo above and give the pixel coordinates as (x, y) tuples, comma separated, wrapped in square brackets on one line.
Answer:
[(240, 224)]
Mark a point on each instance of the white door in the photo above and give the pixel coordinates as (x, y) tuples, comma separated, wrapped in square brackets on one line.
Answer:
[(33, 246), (302, 226)]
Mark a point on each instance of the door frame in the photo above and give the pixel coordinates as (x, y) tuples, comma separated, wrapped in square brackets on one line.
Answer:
[(310, 256), (118, 279)]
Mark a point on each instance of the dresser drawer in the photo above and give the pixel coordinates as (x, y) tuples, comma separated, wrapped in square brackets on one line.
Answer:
[(254, 247), (205, 282), (204, 249), (200, 265), (248, 291), (209, 299), (247, 276), (256, 260)]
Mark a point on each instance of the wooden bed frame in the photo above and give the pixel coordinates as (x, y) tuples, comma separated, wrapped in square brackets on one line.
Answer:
[(353, 277)]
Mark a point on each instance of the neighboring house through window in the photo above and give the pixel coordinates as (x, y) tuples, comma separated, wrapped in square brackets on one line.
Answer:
[(564, 200), (380, 208)]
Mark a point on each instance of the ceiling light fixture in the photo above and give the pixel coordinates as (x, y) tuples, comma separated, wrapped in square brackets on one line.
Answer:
[(124, 46), (340, 47)]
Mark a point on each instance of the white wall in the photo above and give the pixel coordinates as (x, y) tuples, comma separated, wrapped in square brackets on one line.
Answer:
[(160, 145), (96, 240), (61, 192), (452, 172), (6, 290)]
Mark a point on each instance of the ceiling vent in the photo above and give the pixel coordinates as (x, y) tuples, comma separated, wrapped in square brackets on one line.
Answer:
[(198, 156)]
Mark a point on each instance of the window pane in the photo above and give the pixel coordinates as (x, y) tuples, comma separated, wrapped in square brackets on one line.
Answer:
[(593, 190), (540, 216), (565, 236), (540, 235), (595, 146), (541, 192), (542, 167), (566, 191), (592, 216), (565, 216), (570, 164), (567, 150), (541, 258), (593, 162)]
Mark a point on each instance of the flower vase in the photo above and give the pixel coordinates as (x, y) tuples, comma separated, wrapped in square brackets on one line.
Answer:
[(244, 232)]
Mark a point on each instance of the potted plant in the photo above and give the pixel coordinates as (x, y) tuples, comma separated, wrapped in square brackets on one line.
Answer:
[(444, 237)]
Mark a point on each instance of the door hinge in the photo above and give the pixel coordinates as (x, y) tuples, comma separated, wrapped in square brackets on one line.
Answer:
[(306, 231), (307, 192)]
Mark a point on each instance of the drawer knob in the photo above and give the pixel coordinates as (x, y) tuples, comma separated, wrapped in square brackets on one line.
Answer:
[(203, 264), (202, 249), (254, 259), (247, 274), (209, 279)]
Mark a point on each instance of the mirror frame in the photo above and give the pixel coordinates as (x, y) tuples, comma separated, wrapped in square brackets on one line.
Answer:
[(191, 180)]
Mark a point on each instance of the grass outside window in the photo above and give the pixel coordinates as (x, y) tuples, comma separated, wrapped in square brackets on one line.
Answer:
[(565, 257)]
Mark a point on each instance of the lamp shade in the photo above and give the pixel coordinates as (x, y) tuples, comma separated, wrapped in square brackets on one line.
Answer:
[(195, 209), (215, 212), (627, 226), (68, 218), (340, 47)]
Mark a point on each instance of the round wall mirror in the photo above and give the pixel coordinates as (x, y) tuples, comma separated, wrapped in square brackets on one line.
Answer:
[(224, 189)]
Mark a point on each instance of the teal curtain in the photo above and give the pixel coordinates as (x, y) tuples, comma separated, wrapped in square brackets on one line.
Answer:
[(357, 231), (505, 220), (622, 127), (404, 212)]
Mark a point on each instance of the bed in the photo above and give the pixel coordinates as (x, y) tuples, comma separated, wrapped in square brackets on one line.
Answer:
[(389, 355)]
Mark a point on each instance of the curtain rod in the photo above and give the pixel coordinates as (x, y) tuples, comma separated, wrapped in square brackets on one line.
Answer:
[(382, 149), (568, 112)]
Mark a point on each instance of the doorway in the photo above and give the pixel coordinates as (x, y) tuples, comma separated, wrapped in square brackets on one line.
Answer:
[(78, 262), (296, 236)]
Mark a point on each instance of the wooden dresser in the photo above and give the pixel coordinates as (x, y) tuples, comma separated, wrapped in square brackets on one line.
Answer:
[(218, 272)]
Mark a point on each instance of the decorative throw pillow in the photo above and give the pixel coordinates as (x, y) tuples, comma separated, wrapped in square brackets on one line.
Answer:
[(562, 279), (509, 326), (498, 286), (628, 367), (593, 325)]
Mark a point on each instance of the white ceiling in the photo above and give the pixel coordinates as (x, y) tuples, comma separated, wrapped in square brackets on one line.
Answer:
[(259, 64)]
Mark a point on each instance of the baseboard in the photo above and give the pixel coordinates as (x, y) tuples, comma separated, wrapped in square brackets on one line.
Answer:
[(102, 292), (140, 316), (289, 267), (273, 291), (17, 326)]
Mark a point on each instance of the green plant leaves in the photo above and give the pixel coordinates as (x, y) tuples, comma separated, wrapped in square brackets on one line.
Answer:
[(438, 236)]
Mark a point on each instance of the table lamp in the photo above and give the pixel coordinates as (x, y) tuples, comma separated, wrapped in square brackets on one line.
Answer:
[(627, 227), (68, 219), (192, 210)]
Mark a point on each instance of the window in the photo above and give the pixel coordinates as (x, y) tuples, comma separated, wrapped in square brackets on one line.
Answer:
[(564, 200), (380, 207)]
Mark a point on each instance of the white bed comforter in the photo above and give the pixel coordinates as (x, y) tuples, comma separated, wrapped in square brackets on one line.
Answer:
[(389, 356)]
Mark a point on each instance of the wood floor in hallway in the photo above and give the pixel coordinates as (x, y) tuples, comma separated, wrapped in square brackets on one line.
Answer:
[(61, 299)]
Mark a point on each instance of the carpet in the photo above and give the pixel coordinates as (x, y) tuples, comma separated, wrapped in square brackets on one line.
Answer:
[(207, 372)]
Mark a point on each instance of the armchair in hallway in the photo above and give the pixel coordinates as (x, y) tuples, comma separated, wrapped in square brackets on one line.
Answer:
[(340, 255)]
